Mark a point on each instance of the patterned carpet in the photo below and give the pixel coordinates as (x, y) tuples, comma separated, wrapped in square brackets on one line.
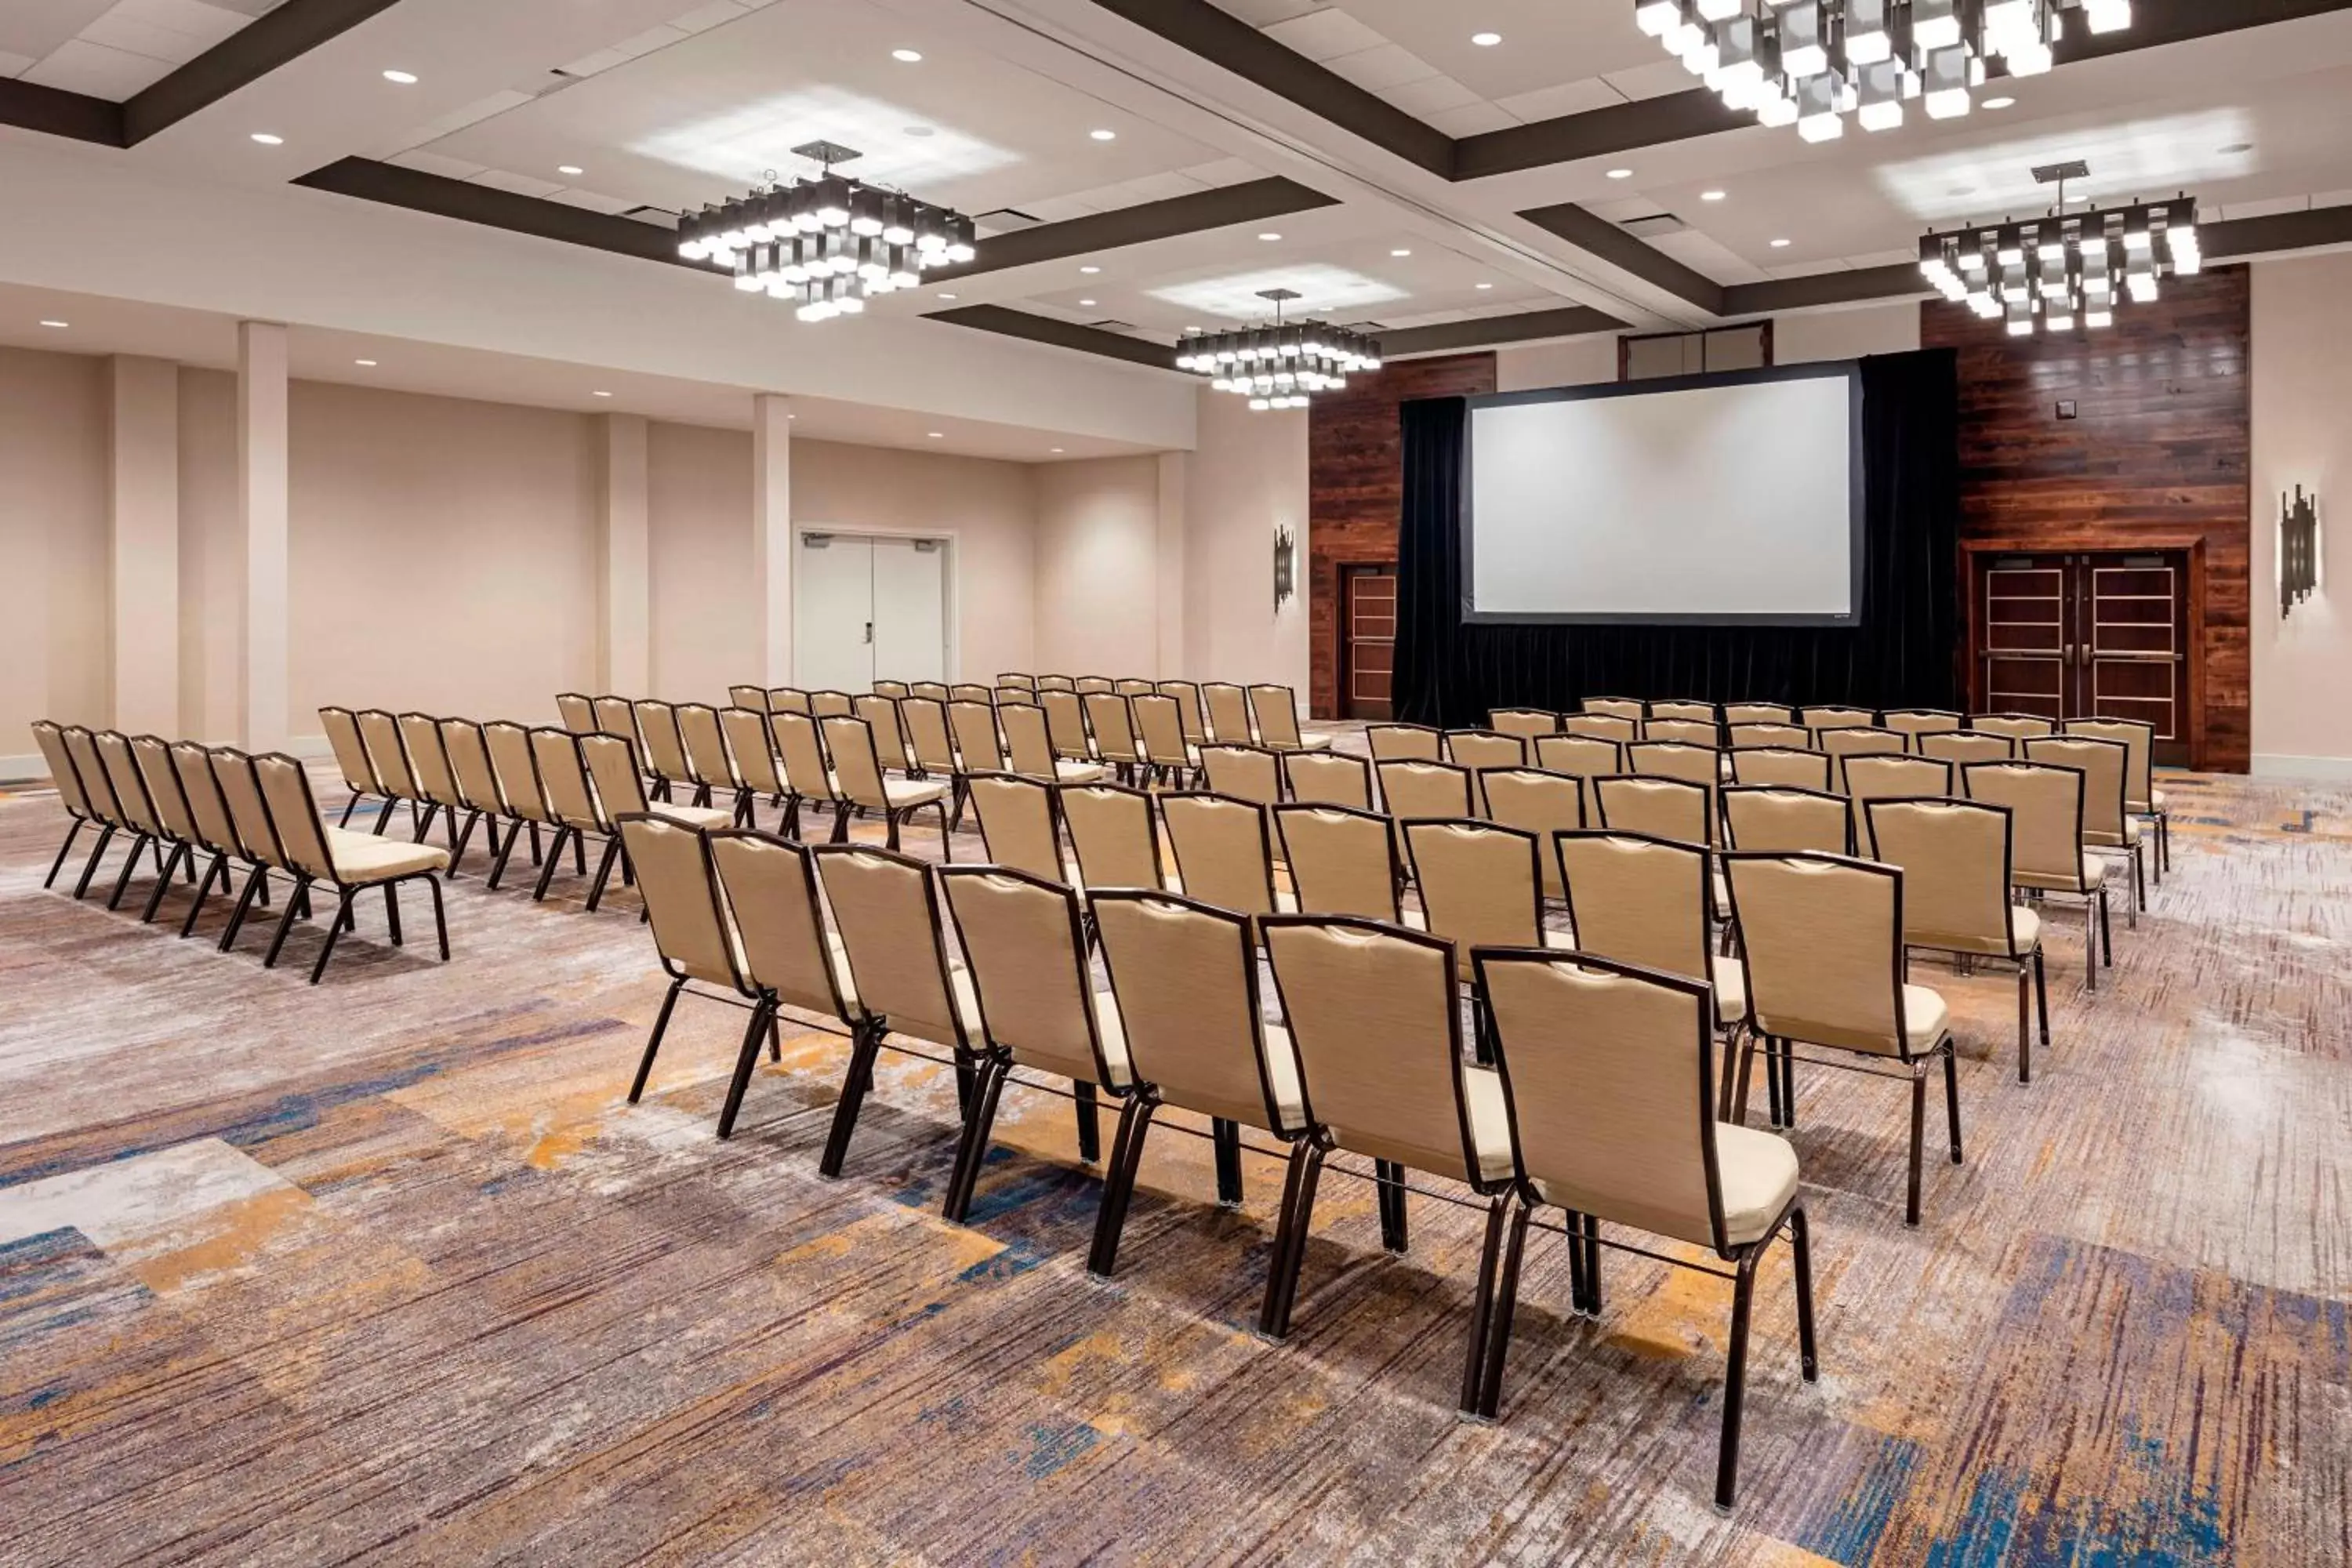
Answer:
[(388, 1271)]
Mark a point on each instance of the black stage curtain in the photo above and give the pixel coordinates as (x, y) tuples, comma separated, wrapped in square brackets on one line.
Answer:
[(1904, 654)]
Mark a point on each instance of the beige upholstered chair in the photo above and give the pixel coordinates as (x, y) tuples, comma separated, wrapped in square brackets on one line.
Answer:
[(1524, 722), (832, 705), (579, 808), (809, 777), (695, 937), (149, 830), (931, 744), (1025, 942), (1618, 727), (621, 790), (517, 772), (1413, 789), (1116, 741), (661, 749), (1961, 747), (2141, 797), (469, 751), (1646, 901), (1160, 719), (787, 699), (153, 761), (893, 689), (1586, 756), (2108, 827), (2016, 726), (1700, 765), (1223, 850), (1134, 685), (1093, 685), (1670, 808), (1341, 862), (755, 697), (770, 889), (1372, 1015), (1480, 749), (1955, 856), (1759, 713), (1628, 708), (858, 774), (577, 710), (428, 764), (239, 788), (1018, 825), (885, 909), (1184, 977), (1684, 712), (1058, 683), (1794, 766), (1246, 772), (1229, 713), (1328, 778), (753, 749), (345, 862), (979, 748), (1607, 1076), (1682, 731), (1537, 802), (1834, 716), (388, 759), (1029, 741), (880, 712), (1115, 836), (192, 765), (929, 691), (1824, 940), (1189, 710), (1857, 740), (1917, 721), (618, 716), (1017, 679), (1405, 743), (122, 802), (1746, 737), (1274, 709), (1875, 778), (1783, 819), (970, 691), (1481, 886), (342, 729), (50, 737)]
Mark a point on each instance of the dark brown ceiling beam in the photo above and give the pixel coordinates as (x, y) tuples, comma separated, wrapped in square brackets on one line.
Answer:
[(1599, 237), (1036, 329), (1491, 331), (1252, 201), (245, 57), (53, 112), (445, 197), (2308, 230)]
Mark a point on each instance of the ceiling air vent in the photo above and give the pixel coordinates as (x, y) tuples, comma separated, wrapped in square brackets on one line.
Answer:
[(1655, 226), (1007, 220), (1112, 326)]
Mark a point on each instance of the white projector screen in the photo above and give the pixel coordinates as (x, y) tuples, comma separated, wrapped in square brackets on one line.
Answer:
[(1724, 499)]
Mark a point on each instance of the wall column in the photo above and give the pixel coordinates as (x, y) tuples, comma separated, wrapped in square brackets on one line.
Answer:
[(262, 507), (143, 515), (624, 655), (771, 536), (1175, 480)]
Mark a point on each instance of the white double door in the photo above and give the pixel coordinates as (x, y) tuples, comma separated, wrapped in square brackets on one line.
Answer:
[(867, 608)]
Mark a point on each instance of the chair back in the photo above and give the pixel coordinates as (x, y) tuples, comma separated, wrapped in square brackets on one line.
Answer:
[(2137, 737), (1824, 939), (752, 696), (1189, 710), (216, 829), (1341, 862), (1092, 685), (1480, 749), (1535, 802), (1247, 773), (578, 711), (1586, 756), (342, 726), (1687, 732), (1792, 767), (1608, 1076), (857, 767), (787, 699), (563, 775), (707, 757), (1134, 685), (1882, 777), (1856, 740), (1065, 724), (1274, 710), (1112, 829), (49, 736), (753, 749), (1638, 899), (926, 720), (894, 690), (2016, 726), (428, 759), (1684, 710), (1618, 727), (1436, 790), (1628, 708), (970, 691), (1113, 724), (1961, 747), (1016, 679), (1028, 744), (1184, 974), (1838, 717), (977, 743), (617, 716), (2105, 765), (1524, 722), (1917, 721), (240, 791), (81, 749), (509, 746), (1017, 826), (1759, 714), (1378, 1039), (683, 901), (800, 744), (1746, 736), (1661, 807), (663, 746), (611, 764), (1783, 819), (1024, 943), (1328, 778), (1162, 720), (293, 814), (832, 705), (1956, 876), (1224, 850), (1405, 743), (885, 907), (381, 733), (1677, 760), (121, 768), (770, 888), (163, 783), (1480, 885), (1229, 713), (880, 712)]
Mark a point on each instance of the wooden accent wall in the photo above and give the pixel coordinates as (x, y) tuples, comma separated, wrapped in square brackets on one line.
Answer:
[(2158, 457), (1356, 488)]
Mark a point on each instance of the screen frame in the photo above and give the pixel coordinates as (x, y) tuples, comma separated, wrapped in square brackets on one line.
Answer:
[(1850, 370)]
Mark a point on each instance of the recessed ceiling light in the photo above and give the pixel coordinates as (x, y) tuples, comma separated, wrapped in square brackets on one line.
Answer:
[(947, 296), (1270, 237), (1400, 253), (58, 324), (267, 140), (1486, 285), (1057, 451), (2237, 147), (1782, 244), (1103, 135), (1090, 272), (569, 169), (405, 79), (1086, 302), (1621, 174), (938, 435), (1486, 41), (912, 57), (919, 132), (1712, 195), (367, 364), (2000, 102), (600, 395)]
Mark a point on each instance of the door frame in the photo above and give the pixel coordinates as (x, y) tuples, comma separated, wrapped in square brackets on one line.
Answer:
[(952, 575), (2192, 546), (1344, 687)]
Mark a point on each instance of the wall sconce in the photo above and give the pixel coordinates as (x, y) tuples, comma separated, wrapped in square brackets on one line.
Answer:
[(2298, 549), (1285, 565)]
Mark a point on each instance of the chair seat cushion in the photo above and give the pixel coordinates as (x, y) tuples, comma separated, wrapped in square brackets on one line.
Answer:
[(1282, 1076), (1730, 990), (2133, 830), (1757, 1171), (905, 794), (1311, 743), (1112, 1032), (1078, 772), (2024, 928), (1925, 1017), (1490, 1123), (702, 816), (365, 858)]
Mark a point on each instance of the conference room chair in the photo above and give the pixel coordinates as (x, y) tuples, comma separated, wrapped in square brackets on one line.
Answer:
[(1824, 939), (388, 760), (1682, 731), (1917, 721), (81, 748), (810, 780), (832, 705), (1274, 711), (1112, 723), (517, 769), (1961, 747), (477, 787), (49, 736), (1029, 744), (192, 765), (239, 787), (1700, 765), (1374, 1018), (1480, 749), (661, 748), (2109, 829), (931, 742), (1631, 708), (581, 811), (1114, 835), (1342, 862), (787, 699), (753, 751), (436, 779), (1066, 725), (1003, 695), (1535, 801), (1016, 679), (1795, 766), (153, 759), (1057, 683), (620, 791), (1160, 719), (618, 716), (1528, 723), (1134, 685), (1229, 713), (1019, 823), (2016, 726), (858, 775), (577, 710), (967, 691), (1412, 789), (1759, 714), (1857, 740), (1328, 778), (1784, 819), (1586, 756), (898, 973), (1748, 736), (1189, 710), (893, 689), (1093, 685), (1224, 850), (345, 863), (342, 728), (1838, 715), (1869, 778), (1023, 940), (696, 942), (1481, 886), (149, 831), (2142, 799), (1184, 980), (752, 696), (1684, 710), (1616, 727), (880, 712), (1955, 857), (980, 748), (1247, 773), (1661, 806), (1637, 900), (1607, 1072), (1405, 743)]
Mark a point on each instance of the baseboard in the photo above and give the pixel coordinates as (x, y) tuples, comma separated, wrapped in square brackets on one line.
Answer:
[(2285, 767)]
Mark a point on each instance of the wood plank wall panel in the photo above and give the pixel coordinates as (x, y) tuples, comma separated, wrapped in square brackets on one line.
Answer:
[(1356, 488), (2159, 457)]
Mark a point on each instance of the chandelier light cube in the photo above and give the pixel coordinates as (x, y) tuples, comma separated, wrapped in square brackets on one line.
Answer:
[(2066, 269), (830, 243), (1282, 365), (1811, 63)]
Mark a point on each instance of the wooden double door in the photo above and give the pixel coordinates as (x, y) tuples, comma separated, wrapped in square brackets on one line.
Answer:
[(2085, 634), (1367, 640)]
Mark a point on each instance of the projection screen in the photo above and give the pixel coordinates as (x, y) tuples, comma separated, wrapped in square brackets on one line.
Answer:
[(1729, 500)]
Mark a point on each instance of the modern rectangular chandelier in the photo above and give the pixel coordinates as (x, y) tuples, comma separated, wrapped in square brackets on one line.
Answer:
[(1280, 365), (1810, 63), (2065, 269), (832, 243)]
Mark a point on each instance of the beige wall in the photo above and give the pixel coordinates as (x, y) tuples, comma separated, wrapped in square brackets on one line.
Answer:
[(699, 544), (54, 582), (1248, 477), (1098, 567), (2303, 435), (1846, 334)]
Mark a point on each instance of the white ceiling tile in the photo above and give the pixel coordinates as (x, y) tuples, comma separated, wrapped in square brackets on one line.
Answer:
[(1705, 254), (457, 120), (1433, 95), (96, 71), (702, 18), (1324, 35), (1807, 269), (592, 65), (1384, 66), (646, 42), (1653, 81), (116, 31), (521, 185), (1567, 98), (593, 201), (1471, 120), (1059, 209), (1225, 171), (38, 27), (207, 23), (1265, 13), (14, 64), (435, 164), (1908, 255)]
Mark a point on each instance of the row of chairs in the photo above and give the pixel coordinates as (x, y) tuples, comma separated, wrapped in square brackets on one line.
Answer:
[(1263, 714), (180, 802)]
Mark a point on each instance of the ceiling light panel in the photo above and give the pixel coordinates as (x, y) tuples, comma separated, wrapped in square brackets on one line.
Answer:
[(1324, 289)]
